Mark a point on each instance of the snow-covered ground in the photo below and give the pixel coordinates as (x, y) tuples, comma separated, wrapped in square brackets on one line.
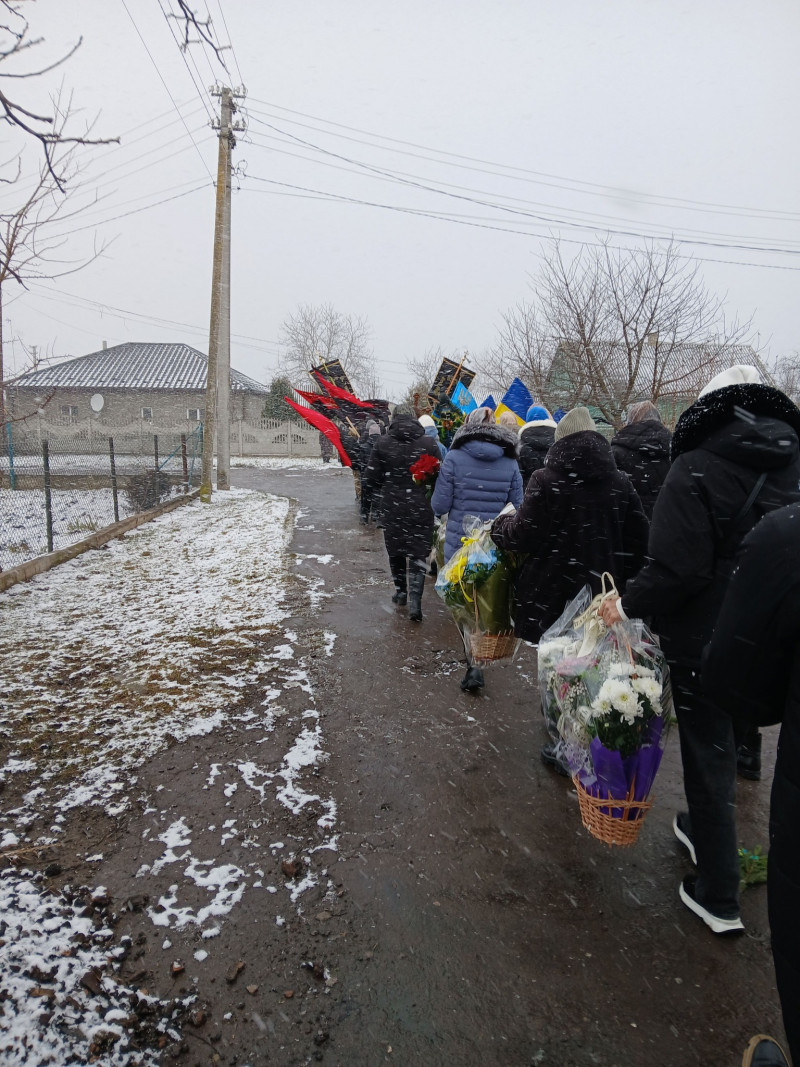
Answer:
[(173, 632)]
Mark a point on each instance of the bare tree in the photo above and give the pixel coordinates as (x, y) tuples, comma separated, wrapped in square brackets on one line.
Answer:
[(32, 242), (612, 326), (317, 334), (786, 375), (524, 349), (49, 130)]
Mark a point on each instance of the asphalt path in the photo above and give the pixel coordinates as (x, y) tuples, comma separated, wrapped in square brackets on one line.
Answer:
[(479, 923)]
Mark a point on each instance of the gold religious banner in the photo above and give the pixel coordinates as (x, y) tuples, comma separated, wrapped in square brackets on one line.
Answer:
[(447, 378)]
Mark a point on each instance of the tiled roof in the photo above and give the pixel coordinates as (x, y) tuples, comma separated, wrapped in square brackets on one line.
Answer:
[(680, 367), (135, 366)]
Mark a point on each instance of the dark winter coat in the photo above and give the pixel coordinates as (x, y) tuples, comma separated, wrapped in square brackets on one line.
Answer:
[(580, 517), (721, 446), (641, 450), (479, 476), (752, 668), (405, 509), (535, 441), (366, 443)]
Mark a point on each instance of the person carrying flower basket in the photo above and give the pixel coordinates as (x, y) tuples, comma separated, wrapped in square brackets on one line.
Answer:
[(478, 477), (607, 702), (475, 584)]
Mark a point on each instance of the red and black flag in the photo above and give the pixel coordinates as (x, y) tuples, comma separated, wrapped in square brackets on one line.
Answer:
[(324, 425)]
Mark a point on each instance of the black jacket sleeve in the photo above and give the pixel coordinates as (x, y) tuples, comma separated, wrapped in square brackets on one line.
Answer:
[(748, 662), (681, 549)]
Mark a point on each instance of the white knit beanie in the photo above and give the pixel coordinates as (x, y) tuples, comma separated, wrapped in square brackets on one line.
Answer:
[(580, 418), (426, 420), (741, 374)]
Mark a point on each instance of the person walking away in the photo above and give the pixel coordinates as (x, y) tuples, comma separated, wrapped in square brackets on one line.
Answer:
[(479, 476), (366, 442), (641, 449), (735, 457), (405, 509), (751, 668), (325, 448), (429, 426), (580, 517), (536, 439)]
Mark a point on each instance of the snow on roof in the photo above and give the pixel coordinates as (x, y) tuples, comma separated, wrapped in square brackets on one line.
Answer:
[(135, 365)]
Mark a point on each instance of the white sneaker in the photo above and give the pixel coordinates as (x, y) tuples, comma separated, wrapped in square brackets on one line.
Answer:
[(714, 922)]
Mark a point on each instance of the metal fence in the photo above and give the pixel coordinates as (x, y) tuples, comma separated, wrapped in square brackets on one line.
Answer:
[(55, 490)]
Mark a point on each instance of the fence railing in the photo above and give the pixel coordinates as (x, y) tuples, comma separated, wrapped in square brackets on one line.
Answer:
[(56, 488)]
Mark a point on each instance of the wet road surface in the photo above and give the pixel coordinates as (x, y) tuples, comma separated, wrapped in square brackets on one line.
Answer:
[(479, 923)]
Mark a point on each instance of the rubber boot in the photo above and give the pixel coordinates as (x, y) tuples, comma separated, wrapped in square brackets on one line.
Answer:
[(416, 584), (748, 757), (397, 565)]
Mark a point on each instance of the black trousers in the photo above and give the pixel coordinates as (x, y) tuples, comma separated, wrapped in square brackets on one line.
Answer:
[(708, 752)]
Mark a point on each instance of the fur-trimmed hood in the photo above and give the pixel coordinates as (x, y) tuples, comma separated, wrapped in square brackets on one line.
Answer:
[(494, 435), (584, 456), (538, 423), (749, 416)]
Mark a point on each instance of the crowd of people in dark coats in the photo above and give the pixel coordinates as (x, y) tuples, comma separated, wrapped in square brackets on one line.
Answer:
[(670, 516)]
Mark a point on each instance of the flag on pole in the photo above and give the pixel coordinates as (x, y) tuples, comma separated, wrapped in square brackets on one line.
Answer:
[(340, 394), (319, 401), (517, 400), (325, 426), (463, 398)]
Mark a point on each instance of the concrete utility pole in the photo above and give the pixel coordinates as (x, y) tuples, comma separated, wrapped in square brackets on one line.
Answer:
[(218, 385)]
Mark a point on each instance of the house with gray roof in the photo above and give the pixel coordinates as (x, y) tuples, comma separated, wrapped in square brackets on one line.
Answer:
[(159, 385)]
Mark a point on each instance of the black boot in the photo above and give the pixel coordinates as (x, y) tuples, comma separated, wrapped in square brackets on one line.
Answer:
[(748, 757), (397, 565), (472, 680), (416, 584)]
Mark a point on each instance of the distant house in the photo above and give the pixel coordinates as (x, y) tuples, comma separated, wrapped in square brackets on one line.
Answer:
[(158, 385), (671, 375)]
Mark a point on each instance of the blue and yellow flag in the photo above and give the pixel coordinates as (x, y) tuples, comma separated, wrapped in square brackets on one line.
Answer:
[(489, 402), (517, 400), (463, 398)]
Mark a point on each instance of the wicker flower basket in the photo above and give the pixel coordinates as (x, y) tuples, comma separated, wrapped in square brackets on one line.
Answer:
[(490, 647), (603, 825)]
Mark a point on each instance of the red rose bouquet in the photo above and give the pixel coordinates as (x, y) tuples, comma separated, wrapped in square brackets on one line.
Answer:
[(425, 472)]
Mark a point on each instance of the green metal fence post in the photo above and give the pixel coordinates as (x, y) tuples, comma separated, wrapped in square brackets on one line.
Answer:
[(12, 474), (48, 503), (114, 491), (184, 460)]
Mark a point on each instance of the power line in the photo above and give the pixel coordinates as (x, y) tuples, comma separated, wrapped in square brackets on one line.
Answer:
[(306, 193), (97, 305), (183, 51), (591, 188), (136, 211), (166, 87), (398, 177), (547, 220), (230, 43)]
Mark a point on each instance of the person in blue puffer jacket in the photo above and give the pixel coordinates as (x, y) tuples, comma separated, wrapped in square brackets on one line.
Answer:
[(479, 476)]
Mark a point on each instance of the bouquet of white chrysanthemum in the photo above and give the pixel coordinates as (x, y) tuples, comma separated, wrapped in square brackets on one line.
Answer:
[(606, 699)]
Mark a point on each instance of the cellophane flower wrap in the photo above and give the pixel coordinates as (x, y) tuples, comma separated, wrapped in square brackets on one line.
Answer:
[(425, 471), (607, 701), (476, 585)]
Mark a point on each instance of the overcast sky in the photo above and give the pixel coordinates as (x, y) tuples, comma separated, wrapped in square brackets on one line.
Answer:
[(560, 118)]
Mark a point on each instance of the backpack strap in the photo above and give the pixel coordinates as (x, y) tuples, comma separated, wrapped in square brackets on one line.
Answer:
[(754, 492)]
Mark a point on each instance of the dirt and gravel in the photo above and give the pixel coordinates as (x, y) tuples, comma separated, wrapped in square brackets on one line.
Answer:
[(456, 911)]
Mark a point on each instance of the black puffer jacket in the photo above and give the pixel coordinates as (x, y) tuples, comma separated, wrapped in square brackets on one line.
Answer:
[(722, 445), (580, 517), (405, 508), (642, 451), (752, 668), (535, 441)]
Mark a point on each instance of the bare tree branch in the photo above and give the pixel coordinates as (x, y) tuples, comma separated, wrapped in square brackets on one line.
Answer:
[(191, 23), (318, 333)]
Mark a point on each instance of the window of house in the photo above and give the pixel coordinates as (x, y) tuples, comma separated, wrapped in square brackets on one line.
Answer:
[(69, 410), (193, 414), (147, 414)]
